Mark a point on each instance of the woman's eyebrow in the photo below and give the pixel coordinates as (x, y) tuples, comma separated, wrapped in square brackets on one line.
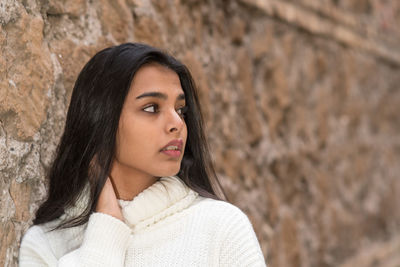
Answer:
[(153, 94), (181, 97), (159, 95)]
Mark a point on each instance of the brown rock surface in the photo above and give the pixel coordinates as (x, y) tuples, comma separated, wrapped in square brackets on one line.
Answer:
[(300, 98), (26, 55)]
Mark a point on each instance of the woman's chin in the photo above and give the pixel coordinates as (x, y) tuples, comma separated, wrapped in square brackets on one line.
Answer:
[(169, 172)]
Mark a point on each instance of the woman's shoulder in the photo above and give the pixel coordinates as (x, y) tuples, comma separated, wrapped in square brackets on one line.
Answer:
[(39, 232), (233, 232), (216, 204), (42, 237), (223, 211), (35, 247), (34, 234)]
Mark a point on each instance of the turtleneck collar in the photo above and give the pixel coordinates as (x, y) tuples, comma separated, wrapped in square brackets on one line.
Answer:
[(166, 196)]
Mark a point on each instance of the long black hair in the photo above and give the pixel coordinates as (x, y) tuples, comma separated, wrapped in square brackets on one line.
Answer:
[(87, 146)]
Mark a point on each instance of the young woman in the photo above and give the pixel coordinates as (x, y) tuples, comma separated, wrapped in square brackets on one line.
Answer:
[(132, 180)]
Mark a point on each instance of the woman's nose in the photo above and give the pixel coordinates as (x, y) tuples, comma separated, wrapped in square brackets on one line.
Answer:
[(174, 122)]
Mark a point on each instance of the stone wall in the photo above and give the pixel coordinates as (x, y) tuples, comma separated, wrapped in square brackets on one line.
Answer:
[(300, 97)]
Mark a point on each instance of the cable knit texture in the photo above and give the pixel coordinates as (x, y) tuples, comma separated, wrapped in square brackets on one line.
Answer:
[(167, 224)]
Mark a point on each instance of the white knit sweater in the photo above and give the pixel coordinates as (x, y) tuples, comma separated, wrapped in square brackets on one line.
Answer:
[(167, 224)]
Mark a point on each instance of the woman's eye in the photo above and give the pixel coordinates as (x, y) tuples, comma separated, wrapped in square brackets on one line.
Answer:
[(151, 109), (182, 111)]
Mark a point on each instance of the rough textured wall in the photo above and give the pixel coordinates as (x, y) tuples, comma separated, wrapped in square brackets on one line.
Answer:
[(301, 100)]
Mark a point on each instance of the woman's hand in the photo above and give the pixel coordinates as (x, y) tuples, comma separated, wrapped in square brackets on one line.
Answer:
[(108, 202)]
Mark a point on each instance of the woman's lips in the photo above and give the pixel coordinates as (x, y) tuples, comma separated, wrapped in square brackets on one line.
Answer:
[(173, 148), (172, 153)]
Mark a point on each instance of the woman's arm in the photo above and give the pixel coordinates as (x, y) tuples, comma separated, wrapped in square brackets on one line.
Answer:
[(104, 244)]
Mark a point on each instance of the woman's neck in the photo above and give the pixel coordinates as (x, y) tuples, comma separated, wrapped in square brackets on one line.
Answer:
[(128, 182)]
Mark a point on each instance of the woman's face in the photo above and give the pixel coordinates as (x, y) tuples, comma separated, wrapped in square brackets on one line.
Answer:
[(151, 118)]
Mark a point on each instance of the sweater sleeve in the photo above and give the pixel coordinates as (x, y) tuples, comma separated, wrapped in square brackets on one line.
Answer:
[(104, 244), (240, 246)]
